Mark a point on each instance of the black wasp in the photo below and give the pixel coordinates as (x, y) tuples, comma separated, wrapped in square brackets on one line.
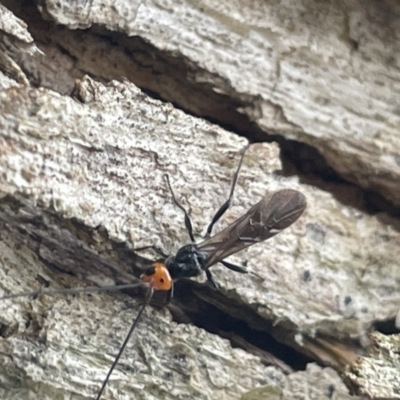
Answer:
[(273, 213)]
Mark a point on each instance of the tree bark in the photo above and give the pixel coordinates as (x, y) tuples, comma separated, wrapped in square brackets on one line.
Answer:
[(83, 163)]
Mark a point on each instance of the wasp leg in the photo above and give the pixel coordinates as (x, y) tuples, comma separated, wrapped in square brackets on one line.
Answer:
[(188, 222), (221, 211), (170, 295), (234, 267), (156, 249), (210, 279)]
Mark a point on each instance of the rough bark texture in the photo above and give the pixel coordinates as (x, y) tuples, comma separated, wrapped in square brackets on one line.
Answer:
[(82, 165), (377, 375)]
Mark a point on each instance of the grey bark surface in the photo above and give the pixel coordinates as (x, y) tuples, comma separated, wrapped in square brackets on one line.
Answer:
[(321, 73), (377, 374), (83, 184)]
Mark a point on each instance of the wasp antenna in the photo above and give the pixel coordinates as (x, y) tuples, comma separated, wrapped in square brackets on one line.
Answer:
[(121, 350), (221, 211), (156, 249), (188, 222), (75, 291)]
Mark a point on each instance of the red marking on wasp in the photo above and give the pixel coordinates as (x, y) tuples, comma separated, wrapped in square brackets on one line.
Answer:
[(158, 277)]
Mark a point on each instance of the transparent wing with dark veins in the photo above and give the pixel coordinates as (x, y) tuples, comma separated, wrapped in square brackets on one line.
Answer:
[(273, 213)]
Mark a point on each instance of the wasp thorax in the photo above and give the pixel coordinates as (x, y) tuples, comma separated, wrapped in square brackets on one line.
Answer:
[(188, 262)]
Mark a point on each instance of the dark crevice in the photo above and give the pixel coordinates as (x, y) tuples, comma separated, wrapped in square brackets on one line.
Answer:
[(3, 330), (387, 327), (306, 162), (236, 322)]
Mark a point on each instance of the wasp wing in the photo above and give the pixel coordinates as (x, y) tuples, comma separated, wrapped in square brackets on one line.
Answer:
[(273, 213)]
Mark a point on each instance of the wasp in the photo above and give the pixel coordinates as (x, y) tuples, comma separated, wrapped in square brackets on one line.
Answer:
[(273, 213)]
